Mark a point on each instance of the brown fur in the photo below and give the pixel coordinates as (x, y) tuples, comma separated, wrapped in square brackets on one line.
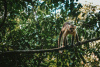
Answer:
[(67, 29)]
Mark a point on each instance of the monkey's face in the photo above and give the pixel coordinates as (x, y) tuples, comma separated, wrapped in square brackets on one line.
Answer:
[(72, 29)]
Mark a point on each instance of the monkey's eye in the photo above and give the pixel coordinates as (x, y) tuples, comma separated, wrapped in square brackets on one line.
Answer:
[(71, 28)]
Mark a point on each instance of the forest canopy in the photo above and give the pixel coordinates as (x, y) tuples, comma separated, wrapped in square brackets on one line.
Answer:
[(36, 24)]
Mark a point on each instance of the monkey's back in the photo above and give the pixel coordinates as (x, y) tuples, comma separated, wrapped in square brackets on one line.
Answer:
[(67, 23)]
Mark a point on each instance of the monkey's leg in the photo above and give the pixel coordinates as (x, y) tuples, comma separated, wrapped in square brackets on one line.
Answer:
[(76, 37), (59, 40), (58, 43), (64, 38), (64, 41)]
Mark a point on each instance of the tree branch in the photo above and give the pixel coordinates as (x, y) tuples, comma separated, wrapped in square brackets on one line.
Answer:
[(94, 39), (48, 50)]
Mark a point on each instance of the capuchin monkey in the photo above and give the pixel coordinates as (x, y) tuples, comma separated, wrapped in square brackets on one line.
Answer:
[(67, 29)]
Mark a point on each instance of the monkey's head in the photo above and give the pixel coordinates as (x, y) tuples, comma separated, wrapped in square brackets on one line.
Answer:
[(72, 28)]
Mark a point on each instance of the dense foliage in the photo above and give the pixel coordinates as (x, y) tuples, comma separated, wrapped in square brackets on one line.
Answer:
[(35, 24)]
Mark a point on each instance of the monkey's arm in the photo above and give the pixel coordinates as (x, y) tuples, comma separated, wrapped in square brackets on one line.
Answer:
[(77, 38), (72, 39), (74, 36)]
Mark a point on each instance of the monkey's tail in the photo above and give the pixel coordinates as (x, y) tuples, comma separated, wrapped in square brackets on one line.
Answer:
[(59, 40)]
